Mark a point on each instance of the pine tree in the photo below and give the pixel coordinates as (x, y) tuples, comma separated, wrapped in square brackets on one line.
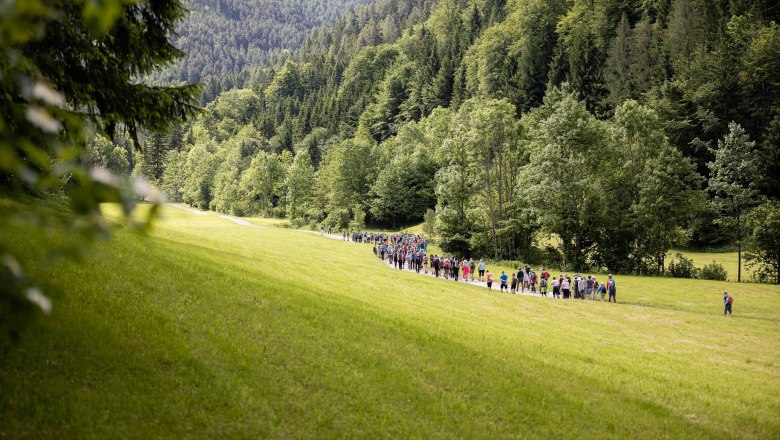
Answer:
[(617, 72), (734, 182)]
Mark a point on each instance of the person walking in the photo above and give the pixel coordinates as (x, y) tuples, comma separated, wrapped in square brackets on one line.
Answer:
[(520, 277), (728, 300), (601, 288), (466, 270), (455, 269), (489, 280), (527, 279), (472, 267), (611, 289), (504, 278), (514, 283), (545, 274), (589, 288), (481, 270), (556, 285), (543, 286), (566, 288)]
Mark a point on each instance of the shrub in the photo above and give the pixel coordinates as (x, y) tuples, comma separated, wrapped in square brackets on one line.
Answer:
[(681, 267), (339, 218), (358, 222), (713, 271)]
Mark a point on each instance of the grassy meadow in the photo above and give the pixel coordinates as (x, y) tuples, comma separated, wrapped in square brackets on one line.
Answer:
[(210, 329), (729, 260)]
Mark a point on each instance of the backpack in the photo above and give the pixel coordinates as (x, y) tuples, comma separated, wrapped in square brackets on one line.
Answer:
[(730, 300)]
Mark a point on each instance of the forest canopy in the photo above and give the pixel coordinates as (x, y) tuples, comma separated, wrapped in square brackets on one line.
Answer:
[(583, 120), (229, 42)]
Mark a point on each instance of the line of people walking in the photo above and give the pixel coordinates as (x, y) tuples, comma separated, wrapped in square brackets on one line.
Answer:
[(404, 251)]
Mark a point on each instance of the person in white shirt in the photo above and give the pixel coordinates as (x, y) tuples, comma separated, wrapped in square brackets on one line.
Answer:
[(556, 285), (566, 288)]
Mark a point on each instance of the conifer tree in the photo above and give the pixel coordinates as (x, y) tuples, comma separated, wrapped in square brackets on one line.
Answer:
[(734, 182)]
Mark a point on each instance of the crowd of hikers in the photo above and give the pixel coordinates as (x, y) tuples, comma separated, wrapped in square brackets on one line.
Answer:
[(409, 251)]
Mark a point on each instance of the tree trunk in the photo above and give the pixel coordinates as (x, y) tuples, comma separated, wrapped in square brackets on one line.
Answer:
[(489, 196), (739, 262), (500, 189), (739, 247)]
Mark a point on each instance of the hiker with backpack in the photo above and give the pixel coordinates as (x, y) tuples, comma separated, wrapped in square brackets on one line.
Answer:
[(728, 300), (601, 288), (611, 289)]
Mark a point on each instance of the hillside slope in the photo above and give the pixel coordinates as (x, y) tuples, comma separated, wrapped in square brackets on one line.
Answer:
[(213, 329), (227, 36)]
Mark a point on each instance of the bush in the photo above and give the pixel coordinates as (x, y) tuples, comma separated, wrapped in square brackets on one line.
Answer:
[(681, 267), (339, 218), (713, 271), (358, 222), (314, 215), (297, 223)]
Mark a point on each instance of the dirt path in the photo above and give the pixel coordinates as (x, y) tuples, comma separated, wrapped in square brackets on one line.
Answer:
[(476, 282), (240, 221), (192, 210), (430, 273), (496, 282)]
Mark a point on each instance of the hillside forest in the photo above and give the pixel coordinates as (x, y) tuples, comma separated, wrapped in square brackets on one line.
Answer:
[(583, 133), (231, 43)]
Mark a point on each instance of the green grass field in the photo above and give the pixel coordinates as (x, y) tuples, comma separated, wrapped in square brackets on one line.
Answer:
[(727, 259), (210, 329)]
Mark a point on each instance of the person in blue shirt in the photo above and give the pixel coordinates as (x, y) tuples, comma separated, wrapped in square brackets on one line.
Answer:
[(481, 268), (503, 277), (611, 289), (728, 300)]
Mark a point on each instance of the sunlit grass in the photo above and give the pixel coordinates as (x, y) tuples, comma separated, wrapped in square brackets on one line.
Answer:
[(212, 329), (727, 259)]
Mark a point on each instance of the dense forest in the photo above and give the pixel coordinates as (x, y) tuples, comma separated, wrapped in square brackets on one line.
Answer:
[(619, 128), (228, 42)]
